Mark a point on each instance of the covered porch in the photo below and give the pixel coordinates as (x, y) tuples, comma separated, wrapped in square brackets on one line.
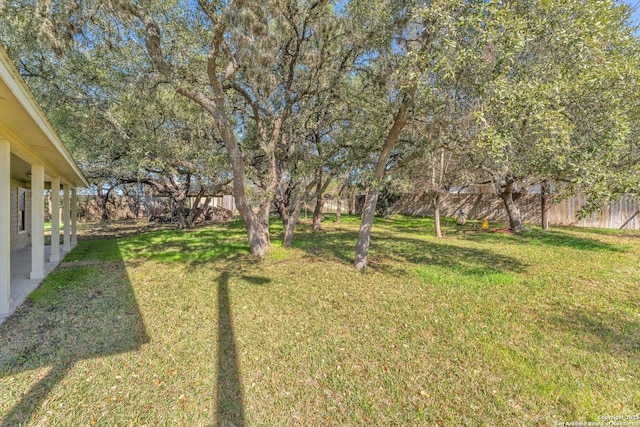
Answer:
[(32, 159), (21, 283)]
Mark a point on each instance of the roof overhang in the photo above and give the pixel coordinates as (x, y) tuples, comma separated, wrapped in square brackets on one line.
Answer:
[(30, 133)]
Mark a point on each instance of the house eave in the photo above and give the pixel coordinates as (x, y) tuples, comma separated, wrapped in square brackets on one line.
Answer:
[(27, 128)]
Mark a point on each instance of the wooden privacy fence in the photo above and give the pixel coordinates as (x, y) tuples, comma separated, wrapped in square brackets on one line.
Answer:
[(621, 214)]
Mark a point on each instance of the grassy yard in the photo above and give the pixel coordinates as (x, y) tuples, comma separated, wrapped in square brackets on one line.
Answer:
[(184, 328)]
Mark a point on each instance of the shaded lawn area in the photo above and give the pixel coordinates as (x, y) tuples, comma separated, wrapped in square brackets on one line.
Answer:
[(184, 328)]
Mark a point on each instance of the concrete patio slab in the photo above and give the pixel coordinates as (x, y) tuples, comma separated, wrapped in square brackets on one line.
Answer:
[(21, 284)]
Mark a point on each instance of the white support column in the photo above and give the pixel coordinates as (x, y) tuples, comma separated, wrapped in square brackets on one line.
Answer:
[(55, 220), (66, 241), (74, 217), (37, 222), (5, 227)]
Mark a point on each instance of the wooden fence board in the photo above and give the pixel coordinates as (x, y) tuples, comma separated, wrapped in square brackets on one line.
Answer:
[(620, 214)]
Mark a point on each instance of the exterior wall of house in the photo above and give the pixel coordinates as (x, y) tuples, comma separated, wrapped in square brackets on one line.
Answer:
[(20, 239)]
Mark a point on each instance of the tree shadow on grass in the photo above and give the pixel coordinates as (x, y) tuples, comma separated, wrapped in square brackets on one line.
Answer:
[(77, 313), (568, 240), (416, 224), (194, 247), (229, 390), (230, 408), (224, 248), (388, 251), (601, 332), (555, 238), (337, 244)]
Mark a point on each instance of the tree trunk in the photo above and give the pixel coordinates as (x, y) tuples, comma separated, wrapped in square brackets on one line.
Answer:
[(103, 203), (515, 219), (289, 226), (257, 225), (180, 211), (436, 184), (49, 207), (104, 215), (258, 234), (351, 201), (364, 235), (368, 211), (138, 200), (196, 210), (181, 214), (289, 216), (321, 188), (338, 209), (436, 213), (544, 204), (317, 214)]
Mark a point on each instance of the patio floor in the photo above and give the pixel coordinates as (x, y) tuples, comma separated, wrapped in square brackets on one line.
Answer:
[(21, 284)]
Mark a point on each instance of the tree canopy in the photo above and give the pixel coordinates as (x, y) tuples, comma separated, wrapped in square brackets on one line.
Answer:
[(281, 97)]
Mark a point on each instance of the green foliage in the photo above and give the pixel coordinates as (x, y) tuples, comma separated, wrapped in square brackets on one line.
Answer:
[(515, 91), (389, 195), (557, 91), (122, 124)]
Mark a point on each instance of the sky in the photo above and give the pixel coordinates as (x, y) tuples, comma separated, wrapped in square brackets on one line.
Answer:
[(636, 14)]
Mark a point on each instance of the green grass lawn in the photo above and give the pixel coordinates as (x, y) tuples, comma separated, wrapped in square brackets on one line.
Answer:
[(185, 328)]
